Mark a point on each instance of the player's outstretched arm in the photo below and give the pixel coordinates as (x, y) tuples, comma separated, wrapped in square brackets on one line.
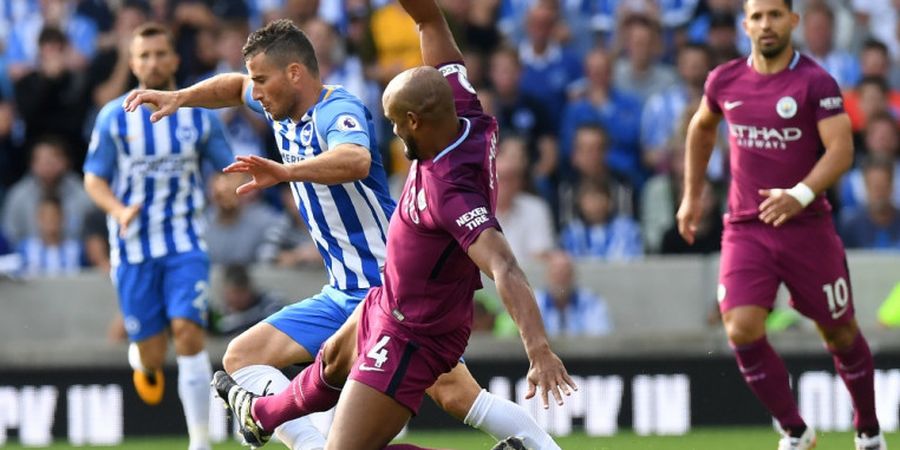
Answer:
[(701, 138), (438, 45), (492, 254), (220, 91)]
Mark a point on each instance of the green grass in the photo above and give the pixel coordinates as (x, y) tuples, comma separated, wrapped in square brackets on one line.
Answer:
[(700, 439)]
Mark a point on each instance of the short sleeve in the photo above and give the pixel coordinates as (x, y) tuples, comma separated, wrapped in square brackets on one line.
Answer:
[(216, 148), (343, 121), (102, 152), (711, 91), (463, 211), (825, 97), (250, 102), (464, 96)]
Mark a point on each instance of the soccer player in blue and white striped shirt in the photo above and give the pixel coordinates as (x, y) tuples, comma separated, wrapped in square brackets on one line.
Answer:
[(146, 176), (331, 160)]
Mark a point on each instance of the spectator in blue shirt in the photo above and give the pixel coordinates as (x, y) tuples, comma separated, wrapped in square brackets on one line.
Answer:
[(548, 67), (618, 113), (877, 225), (49, 252), (599, 231), (567, 309), (818, 34)]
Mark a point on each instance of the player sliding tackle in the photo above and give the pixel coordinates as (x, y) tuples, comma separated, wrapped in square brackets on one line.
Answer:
[(326, 140), (416, 326), (783, 112)]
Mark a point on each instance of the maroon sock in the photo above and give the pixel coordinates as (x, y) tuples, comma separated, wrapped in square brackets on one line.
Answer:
[(856, 367), (307, 393), (767, 377)]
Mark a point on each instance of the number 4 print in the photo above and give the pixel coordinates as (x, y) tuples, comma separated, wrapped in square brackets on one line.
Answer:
[(378, 352)]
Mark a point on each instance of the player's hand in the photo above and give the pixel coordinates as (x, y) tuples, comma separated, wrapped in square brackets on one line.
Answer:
[(778, 207), (162, 103), (264, 172), (688, 218), (124, 217), (548, 373)]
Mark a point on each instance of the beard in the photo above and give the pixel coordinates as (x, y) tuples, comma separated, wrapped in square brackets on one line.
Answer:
[(410, 150), (774, 50)]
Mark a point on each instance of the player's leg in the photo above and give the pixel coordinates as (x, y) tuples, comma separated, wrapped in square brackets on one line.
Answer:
[(288, 337), (816, 273), (462, 397), (366, 419), (185, 285), (144, 316), (748, 284)]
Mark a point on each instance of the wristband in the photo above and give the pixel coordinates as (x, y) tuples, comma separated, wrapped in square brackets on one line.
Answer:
[(802, 193)]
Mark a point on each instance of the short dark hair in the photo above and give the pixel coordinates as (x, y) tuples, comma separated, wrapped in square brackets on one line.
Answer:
[(878, 162), (283, 41), (820, 8), (151, 29), (237, 276), (875, 44), (875, 80), (52, 35), (789, 3)]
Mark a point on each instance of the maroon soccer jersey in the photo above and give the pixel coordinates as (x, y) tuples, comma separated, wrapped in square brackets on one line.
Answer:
[(446, 203), (772, 127)]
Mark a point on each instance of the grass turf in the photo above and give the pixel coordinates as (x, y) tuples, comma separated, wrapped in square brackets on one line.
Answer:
[(699, 439)]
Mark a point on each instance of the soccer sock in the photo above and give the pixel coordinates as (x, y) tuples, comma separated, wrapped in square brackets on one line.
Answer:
[(134, 358), (767, 377), (194, 374), (298, 434), (502, 418), (307, 393), (857, 369)]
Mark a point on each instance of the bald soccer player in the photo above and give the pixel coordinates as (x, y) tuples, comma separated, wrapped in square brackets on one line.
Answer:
[(790, 140), (416, 326)]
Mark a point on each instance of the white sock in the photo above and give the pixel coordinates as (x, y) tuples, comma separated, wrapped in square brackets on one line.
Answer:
[(134, 357), (194, 375), (298, 434), (502, 418)]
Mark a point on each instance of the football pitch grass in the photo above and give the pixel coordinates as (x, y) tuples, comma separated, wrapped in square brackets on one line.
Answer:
[(700, 439)]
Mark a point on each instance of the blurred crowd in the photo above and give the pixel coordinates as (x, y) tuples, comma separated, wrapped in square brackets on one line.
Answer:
[(593, 99)]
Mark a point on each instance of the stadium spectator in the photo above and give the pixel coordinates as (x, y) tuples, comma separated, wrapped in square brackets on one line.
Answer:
[(879, 19), (13, 161), (236, 227), (818, 35), (108, 74), (395, 41), (589, 164), (525, 218), (243, 305), (875, 61), (522, 114), (47, 252), (53, 99), (22, 48), (287, 242), (870, 98), (598, 231), (708, 235), (773, 230), (548, 68), (96, 241), (876, 224), (880, 141), (662, 193), (567, 308), (49, 175), (718, 27), (640, 72), (618, 113), (663, 111)]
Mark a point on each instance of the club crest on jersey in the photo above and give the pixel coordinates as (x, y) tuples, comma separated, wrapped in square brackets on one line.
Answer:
[(347, 123), (786, 107), (306, 134), (186, 134)]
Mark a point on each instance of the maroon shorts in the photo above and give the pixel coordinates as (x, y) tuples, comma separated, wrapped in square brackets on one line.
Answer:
[(805, 254), (392, 360)]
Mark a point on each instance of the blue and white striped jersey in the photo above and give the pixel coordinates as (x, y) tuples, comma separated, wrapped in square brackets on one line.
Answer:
[(157, 166), (347, 221)]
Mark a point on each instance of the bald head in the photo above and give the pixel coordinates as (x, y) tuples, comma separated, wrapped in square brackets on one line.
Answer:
[(422, 91)]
